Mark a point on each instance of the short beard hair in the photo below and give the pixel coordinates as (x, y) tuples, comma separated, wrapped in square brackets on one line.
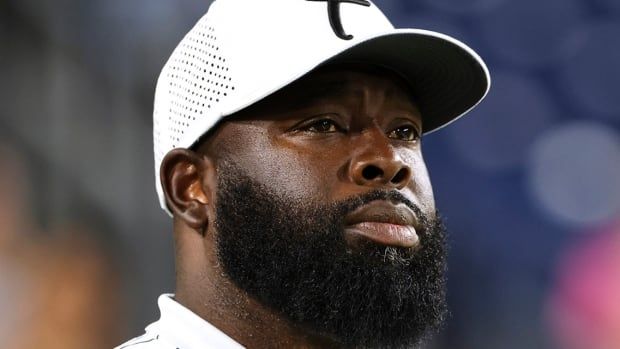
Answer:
[(292, 257)]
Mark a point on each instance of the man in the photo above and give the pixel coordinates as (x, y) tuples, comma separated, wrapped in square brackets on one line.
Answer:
[(288, 152)]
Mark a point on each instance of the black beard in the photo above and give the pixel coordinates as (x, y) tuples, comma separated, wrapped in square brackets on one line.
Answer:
[(292, 257)]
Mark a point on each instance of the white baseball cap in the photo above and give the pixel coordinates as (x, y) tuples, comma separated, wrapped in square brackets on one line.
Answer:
[(242, 51)]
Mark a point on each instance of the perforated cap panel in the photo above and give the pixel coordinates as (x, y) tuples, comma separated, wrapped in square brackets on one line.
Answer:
[(196, 79)]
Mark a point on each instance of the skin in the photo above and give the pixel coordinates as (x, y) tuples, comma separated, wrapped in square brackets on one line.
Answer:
[(337, 133)]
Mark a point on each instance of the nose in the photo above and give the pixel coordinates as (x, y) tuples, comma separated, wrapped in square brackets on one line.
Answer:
[(379, 165)]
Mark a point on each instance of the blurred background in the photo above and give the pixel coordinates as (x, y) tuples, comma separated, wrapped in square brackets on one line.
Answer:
[(529, 182)]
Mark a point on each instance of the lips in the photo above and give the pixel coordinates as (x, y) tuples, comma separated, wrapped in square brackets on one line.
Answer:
[(384, 223)]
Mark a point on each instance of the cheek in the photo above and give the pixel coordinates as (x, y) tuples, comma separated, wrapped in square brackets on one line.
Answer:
[(284, 169), (420, 183)]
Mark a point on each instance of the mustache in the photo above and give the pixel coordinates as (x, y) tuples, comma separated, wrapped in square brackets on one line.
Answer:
[(348, 205)]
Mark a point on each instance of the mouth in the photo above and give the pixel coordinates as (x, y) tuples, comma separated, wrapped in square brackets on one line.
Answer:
[(384, 223)]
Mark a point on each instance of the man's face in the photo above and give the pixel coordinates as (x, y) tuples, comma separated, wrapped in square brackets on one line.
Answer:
[(325, 213), (334, 135)]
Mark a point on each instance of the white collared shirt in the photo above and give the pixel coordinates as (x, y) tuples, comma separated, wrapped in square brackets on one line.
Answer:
[(179, 328)]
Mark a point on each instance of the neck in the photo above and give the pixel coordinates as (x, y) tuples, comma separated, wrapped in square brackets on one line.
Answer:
[(203, 288)]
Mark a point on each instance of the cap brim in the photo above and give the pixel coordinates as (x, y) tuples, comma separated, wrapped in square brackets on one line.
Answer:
[(447, 78)]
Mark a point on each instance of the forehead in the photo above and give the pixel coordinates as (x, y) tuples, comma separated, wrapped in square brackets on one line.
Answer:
[(333, 83)]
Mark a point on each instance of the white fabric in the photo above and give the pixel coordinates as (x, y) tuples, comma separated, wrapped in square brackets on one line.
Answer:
[(179, 328)]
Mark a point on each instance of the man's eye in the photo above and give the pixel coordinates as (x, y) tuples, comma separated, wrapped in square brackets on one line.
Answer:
[(323, 126), (404, 133)]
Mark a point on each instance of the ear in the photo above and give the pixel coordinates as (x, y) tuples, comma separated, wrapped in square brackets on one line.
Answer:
[(182, 176)]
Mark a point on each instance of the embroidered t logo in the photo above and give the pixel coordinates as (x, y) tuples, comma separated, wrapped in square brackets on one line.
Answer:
[(333, 10)]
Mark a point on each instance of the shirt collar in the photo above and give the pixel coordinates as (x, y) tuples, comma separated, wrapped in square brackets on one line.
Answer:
[(187, 330)]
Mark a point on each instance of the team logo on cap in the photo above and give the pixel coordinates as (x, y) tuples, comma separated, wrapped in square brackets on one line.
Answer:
[(333, 11)]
